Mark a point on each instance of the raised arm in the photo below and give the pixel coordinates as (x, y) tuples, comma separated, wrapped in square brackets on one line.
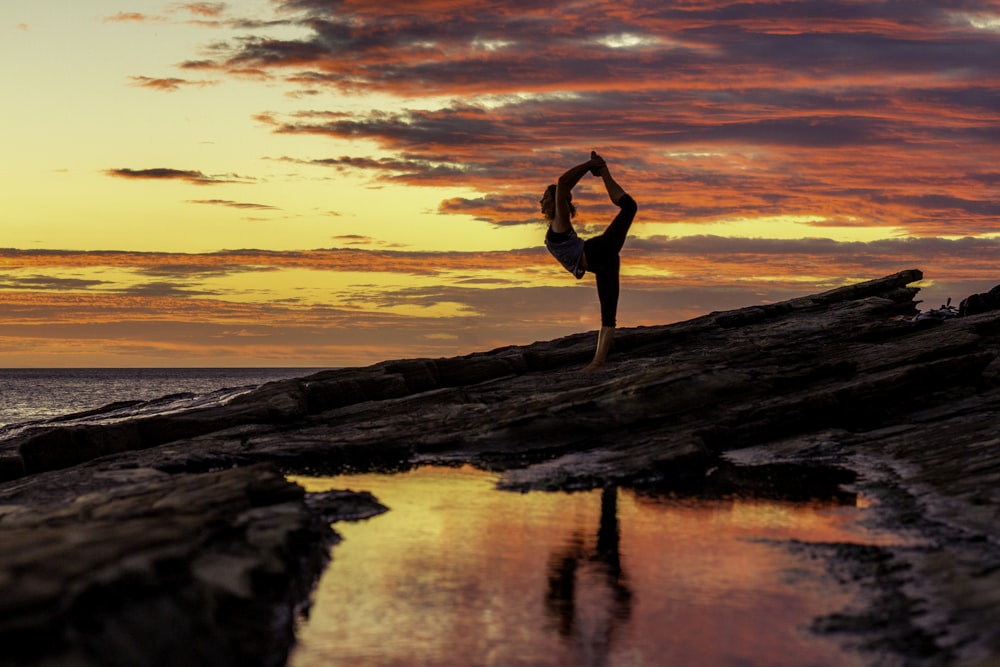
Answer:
[(564, 188)]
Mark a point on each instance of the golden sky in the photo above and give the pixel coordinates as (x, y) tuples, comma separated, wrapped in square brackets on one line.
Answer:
[(337, 182)]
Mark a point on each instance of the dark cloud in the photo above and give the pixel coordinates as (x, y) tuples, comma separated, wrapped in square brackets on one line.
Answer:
[(47, 283), (474, 46), (198, 64), (358, 240), (498, 209), (233, 204), (948, 205), (162, 173), (935, 250), (411, 170), (457, 126), (353, 239), (876, 111), (165, 289)]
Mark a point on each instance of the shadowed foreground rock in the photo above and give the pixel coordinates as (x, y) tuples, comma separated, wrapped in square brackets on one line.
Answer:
[(173, 539)]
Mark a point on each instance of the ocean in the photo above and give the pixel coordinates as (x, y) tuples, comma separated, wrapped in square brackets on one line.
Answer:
[(32, 395)]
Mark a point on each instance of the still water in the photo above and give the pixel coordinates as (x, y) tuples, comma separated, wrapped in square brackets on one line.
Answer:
[(458, 573)]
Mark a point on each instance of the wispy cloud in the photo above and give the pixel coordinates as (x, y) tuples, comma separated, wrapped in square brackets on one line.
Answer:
[(233, 204), (209, 9), (47, 283), (131, 17), (168, 84), (366, 241), (825, 258), (167, 174)]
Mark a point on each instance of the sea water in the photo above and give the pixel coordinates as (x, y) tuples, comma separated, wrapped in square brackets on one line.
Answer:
[(29, 395)]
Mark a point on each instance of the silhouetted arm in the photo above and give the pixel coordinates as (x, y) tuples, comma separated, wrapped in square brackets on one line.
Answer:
[(565, 185), (615, 191)]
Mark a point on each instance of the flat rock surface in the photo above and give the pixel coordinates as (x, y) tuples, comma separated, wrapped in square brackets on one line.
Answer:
[(116, 529)]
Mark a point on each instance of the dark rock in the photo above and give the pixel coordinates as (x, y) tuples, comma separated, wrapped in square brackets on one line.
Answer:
[(111, 532), (104, 409), (62, 447), (980, 303), (159, 570), (344, 505)]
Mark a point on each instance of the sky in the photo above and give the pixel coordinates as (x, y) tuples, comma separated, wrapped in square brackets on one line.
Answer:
[(320, 183)]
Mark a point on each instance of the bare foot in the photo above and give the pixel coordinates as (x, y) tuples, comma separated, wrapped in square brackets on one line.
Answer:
[(593, 367)]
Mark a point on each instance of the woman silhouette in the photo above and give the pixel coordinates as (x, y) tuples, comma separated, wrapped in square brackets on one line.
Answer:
[(599, 254)]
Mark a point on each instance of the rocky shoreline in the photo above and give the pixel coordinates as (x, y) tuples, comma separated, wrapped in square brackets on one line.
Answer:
[(175, 539)]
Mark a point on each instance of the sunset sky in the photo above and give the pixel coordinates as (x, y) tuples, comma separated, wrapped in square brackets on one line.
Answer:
[(338, 182)]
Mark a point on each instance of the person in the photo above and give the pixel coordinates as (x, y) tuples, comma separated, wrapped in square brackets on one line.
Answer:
[(600, 254)]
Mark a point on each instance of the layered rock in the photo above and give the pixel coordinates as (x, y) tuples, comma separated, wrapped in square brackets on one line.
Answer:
[(848, 377)]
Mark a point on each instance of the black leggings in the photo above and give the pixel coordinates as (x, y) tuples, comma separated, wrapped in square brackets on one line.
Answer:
[(603, 261)]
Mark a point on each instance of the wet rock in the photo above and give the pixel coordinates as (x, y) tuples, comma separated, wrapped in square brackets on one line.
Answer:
[(344, 505), (157, 569), (847, 380)]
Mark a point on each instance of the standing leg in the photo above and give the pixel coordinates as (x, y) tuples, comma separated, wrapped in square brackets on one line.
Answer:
[(607, 293), (607, 275), (603, 260), (604, 339)]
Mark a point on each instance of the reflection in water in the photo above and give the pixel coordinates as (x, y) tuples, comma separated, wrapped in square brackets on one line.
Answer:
[(601, 561), (459, 574)]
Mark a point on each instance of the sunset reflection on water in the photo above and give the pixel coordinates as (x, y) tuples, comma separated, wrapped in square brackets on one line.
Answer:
[(459, 573)]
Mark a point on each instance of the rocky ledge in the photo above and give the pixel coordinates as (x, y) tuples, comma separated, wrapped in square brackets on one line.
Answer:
[(175, 538)]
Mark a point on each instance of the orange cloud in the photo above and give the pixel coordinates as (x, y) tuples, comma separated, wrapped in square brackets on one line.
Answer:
[(698, 257), (862, 114), (170, 84), (209, 9), (334, 259), (130, 17)]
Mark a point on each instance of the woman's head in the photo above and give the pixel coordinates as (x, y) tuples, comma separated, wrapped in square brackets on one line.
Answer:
[(548, 203)]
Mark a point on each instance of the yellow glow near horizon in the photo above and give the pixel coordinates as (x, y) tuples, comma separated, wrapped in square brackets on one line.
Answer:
[(770, 227)]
